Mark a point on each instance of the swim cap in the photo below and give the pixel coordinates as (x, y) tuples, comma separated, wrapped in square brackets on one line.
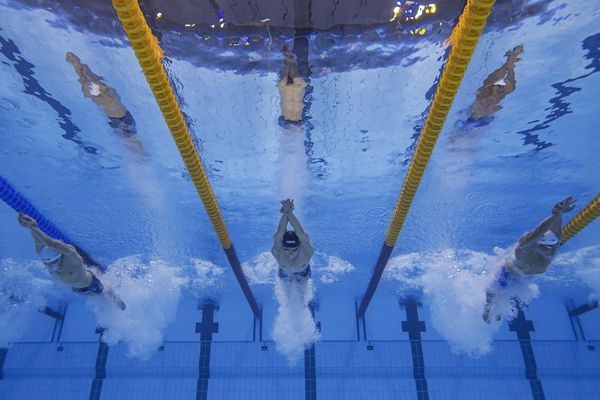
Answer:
[(49, 255), (290, 239), (549, 239), (94, 89)]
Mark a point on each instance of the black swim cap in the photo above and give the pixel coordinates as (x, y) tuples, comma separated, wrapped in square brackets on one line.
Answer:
[(290, 239)]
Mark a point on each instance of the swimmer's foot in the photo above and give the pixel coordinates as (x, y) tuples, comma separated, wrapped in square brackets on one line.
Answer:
[(115, 298), (486, 314), (487, 317)]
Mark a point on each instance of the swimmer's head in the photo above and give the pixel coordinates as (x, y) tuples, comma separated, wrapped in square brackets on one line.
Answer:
[(517, 51), (291, 244), (550, 239), (50, 256)]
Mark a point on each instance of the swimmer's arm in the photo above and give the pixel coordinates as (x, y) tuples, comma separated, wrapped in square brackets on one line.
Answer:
[(40, 237), (511, 81), (538, 232), (90, 76), (495, 76), (278, 236), (39, 243), (303, 236), (72, 258), (28, 222), (108, 91), (308, 250)]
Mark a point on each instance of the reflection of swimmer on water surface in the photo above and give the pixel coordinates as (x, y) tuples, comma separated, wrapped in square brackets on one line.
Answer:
[(495, 88), (533, 254), (120, 119), (291, 88)]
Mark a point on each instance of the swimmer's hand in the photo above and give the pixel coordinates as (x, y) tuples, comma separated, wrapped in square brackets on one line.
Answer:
[(564, 206), (287, 206), (26, 221)]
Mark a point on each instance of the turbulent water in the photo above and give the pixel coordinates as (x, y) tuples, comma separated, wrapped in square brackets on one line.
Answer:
[(453, 282)]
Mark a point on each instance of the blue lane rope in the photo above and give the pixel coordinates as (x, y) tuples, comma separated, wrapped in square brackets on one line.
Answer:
[(17, 202), (20, 204)]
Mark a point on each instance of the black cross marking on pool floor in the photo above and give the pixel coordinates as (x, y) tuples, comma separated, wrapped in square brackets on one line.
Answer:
[(414, 327), (3, 354), (101, 358), (522, 327), (206, 328)]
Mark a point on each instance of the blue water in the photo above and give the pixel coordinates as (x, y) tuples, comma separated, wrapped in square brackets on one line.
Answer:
[(136, 212)]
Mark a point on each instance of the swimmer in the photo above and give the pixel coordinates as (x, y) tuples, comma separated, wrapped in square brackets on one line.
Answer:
[(533, 254), (64, 263), (496, 87), (291, 88), (120, 119), (292, 249)]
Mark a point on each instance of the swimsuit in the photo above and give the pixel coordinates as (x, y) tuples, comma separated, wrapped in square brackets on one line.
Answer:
[(301, 275), (477, 122), (124, 126), (96, 287), (504, 278)]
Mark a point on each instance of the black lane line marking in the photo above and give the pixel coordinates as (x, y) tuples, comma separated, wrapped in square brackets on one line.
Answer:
[(414, 327), (3, 354), (206, 328), (101, 358), (584, 308), (522, 327), (310, 367)]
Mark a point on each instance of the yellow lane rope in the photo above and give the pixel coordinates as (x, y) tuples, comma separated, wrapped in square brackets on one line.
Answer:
[(581, 220), (464, 39), (149, 55)]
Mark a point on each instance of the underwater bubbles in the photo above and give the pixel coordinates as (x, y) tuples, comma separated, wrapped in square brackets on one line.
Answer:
[(151, 291)]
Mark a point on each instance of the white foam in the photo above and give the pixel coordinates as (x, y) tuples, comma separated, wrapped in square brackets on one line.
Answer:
[(330, 269), (151, 292), (207, 275), (294, 328), (582, 266), (25, 288), (261, 270), (453, 283)]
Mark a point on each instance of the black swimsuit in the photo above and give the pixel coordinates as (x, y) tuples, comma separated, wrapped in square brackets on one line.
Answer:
[(303, 275)]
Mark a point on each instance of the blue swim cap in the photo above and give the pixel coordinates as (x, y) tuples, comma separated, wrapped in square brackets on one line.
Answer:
[(290, 239)]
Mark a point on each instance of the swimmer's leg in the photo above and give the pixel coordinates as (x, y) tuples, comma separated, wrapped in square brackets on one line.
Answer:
[(108, 292), (281, 273), (489, 303), (99, 288)]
